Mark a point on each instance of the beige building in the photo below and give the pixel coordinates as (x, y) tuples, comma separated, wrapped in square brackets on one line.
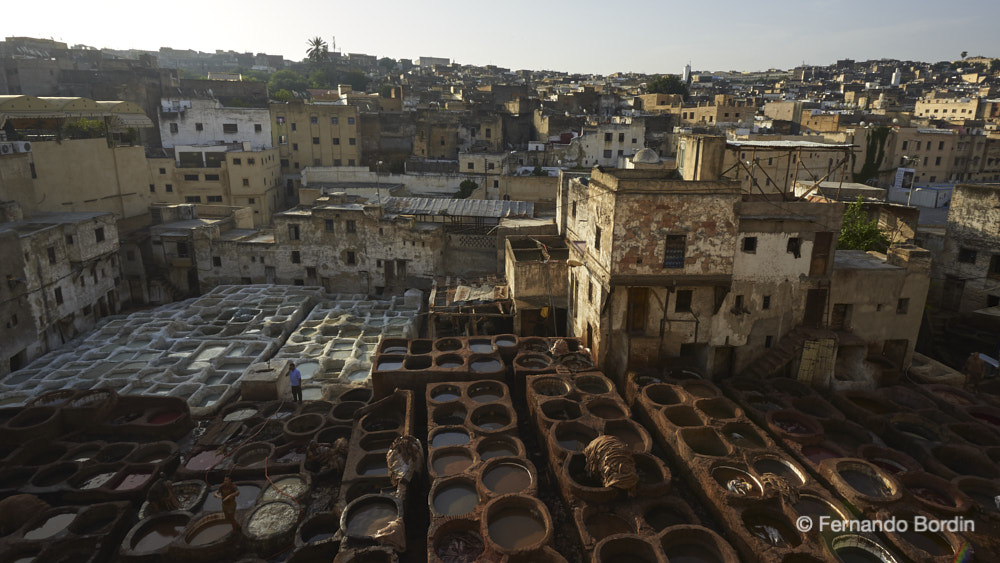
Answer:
[(232, 175), (722, 110), (968, 267), (947, 108), (315, 134)]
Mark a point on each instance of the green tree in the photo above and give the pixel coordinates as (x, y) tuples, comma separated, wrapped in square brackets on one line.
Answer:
[(538, 171), (282, 96), (387, 64), (84, 128), (995, 65), (356, 79), (858, 232), (317, 49), (465, 189), (965, 54), (325, 77), (668, 84), (287, 80)]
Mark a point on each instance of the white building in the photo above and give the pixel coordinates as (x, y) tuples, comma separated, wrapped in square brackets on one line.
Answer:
[(192, 121)]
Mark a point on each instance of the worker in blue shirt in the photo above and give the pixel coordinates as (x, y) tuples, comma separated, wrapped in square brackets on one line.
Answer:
[(295, 378)]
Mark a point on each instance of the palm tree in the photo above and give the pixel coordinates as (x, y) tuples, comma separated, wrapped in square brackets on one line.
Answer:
[(317, 49)]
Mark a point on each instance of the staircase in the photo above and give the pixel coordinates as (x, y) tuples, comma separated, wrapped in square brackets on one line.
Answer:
[(786, 350), (160, 276)]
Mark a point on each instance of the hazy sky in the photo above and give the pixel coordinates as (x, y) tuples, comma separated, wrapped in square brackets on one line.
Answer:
[(583, 36)]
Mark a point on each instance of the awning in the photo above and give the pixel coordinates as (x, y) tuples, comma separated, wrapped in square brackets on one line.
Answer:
[(127, 120)]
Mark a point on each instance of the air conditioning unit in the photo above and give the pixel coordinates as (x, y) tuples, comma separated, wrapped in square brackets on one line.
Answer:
[(22, 146), (6, 148)]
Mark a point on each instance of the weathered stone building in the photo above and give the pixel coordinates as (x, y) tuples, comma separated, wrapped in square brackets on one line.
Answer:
[(967, 271)]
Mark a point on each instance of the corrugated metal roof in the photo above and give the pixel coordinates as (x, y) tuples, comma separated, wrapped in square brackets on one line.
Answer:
[(787, 145), (459, 207)]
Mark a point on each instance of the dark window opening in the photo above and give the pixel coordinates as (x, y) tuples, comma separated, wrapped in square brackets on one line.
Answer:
[(795, 246), (967, 256), (750, 244), (767, 302), (682, 303), (296, 257), (674, 250)]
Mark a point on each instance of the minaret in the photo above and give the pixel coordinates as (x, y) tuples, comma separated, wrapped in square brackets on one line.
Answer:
[(897, 77), (687, 72)]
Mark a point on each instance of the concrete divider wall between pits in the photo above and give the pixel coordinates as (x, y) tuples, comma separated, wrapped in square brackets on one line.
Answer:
[(567, 412), (86, 532), (890, 451)]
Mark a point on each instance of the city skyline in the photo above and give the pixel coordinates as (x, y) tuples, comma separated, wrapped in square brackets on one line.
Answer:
[(543, 37)]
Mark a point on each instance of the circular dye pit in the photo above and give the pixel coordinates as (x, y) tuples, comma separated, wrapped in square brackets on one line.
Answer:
[(449, 361), (159, 533), (459, 546), (449, 438), (781, 468), (445, 393), (373, 466), (561, 409), (132, 481), (533, 361), (602, 525), (209, 532), (367, 515), (865, 481), (664, 516), (857, 549), (204, 461), (550, 387), (771, 528), (496, 447), (507, 477), (450, 415), (816, 507), (737, 481), (930, 543), (486, 365), (481, 346), (246, 498), (292, 486), (485, 392), (516, 527), (272, 519), (375, 422), (457, 497), (694, 544), (451, 461), (592, 384), (605, 409), (491, 418)]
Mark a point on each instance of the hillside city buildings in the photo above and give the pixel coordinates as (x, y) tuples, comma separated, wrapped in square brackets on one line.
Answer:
[(701, 226)]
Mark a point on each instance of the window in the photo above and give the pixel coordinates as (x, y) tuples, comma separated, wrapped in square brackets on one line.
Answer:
[(607, 154), (182, 249), (214, 198), (251, 161), (750, 244), (607, 137), (251, 200), (334, 121), (496, 184), (284, 163), (315, 140), (994, 271), (937, 161), (941, 143), (766, 304), (295, 146), (590, 293), (674, 250), (211, 177), (352, 141), (351, 258), (296, 166), (229, 128), (296, 257), (246, 181), (51, 251), (336, 140), (489, 132), (298, 281), (237, 161), (597, 238), (310, 272), (192, 199), (99, 234), (795, 246), (216, 261), (58, 295), (69, 239), (314, 120), (489, 166), (352, 226), (682, 303), (317, 162), (902, 306), (991, 300), (257, 128), (337, 162), (967, 255), (768, 340), (190, 177), (293, 232), (574, 210), (152, 188), (293, 126), (169, 187), (173, 128), (350, 162), (633, 141), (328, 225), (350, 121), (199, 127), (163, 170), (469, 166)]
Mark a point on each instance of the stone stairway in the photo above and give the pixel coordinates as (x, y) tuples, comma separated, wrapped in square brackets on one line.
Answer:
[(785, 351)]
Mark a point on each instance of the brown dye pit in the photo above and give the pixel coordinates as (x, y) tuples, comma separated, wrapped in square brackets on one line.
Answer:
[(889, 465), (661, 517), (560, 409), (682, 415), (856, 554), (578, 472), (771, 530), (506, 340), (158, 537), (55, 475), (394, 350), (779, 468), (450, 438), (792, 426), (534, 362), (929, 542), (373, 467), (133, 481), (210, 533), (516, 528), (294, 455), (742, 435), (485, 393), (717, 408), (445, 393), (451, 463), (648, 471), (464, 546), (630, 437), (455, 498), (374, 424), (865, 483), (486, 365), (704, 441), (507, 478), (736, 481), (591, 384), (700, 390), (368, 519), (692, 553), (481, 346), (601, 525), (50, 527), (870, 405), (447, 416), (376, 442), (204, 460), (495, 448), (389, 365), (989, 419), (551, 387), (573, 441), (491, 420)]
